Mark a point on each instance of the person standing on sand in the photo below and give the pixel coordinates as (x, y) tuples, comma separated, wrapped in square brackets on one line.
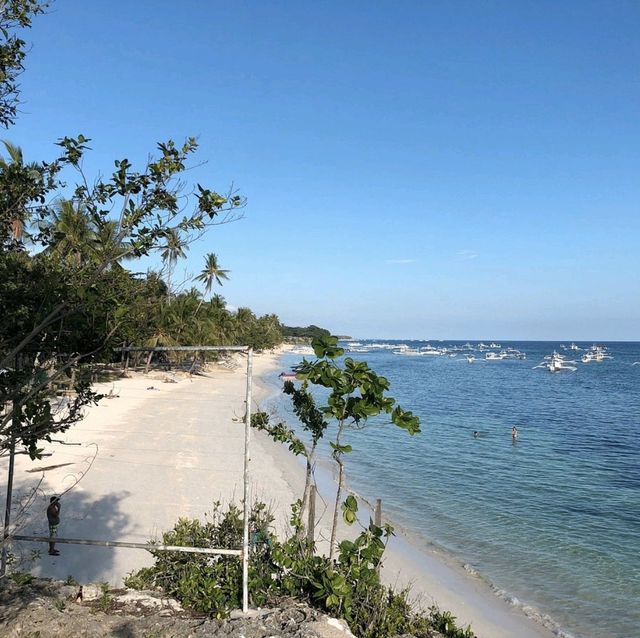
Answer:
[(53, 516)]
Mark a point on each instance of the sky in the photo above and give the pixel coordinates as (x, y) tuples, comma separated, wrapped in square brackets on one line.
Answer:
[(431, 170)]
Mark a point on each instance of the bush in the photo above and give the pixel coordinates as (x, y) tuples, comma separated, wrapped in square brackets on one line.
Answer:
[(348, 587)]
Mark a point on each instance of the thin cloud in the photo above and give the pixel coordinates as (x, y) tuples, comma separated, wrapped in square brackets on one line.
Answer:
[(400, 261), (466, 255)]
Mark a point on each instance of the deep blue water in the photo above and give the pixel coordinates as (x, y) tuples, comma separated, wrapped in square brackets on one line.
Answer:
[(552, 521)]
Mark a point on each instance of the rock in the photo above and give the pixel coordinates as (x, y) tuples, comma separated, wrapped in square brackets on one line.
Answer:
[(331, 628), (49, 609), (91, 592)]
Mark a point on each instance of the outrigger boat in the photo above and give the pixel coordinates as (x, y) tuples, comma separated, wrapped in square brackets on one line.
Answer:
[(556, 363), (596, 353)]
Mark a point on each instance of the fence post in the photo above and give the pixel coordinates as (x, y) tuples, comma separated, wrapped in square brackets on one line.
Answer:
[(377, 515), (311, 523)]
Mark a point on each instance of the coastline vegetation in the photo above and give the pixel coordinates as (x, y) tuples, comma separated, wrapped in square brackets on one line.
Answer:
[(347, 587), (72, 246)]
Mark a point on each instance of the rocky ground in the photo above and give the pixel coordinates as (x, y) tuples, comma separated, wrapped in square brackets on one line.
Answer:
[(38, 608)]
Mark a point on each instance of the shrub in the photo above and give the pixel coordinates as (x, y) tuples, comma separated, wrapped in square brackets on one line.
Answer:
[(348, 587)]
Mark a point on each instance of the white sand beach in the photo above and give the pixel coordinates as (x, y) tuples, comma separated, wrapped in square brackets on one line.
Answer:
[(162, 450)]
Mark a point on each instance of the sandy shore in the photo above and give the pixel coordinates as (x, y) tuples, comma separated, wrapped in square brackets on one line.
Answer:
[(160, 450)]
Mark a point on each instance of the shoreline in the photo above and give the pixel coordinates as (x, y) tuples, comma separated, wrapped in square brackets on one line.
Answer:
[(158, 451), (435, 575)]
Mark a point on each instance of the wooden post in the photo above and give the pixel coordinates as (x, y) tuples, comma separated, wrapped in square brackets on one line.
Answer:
[(311, 522), (377, 515)]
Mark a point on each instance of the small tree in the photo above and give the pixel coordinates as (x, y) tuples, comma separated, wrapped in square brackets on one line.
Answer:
[(356, 394)]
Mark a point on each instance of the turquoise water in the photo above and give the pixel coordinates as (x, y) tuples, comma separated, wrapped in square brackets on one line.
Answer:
[(552, 521)]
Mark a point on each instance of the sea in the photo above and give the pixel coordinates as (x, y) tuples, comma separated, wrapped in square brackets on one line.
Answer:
[(551, 520)]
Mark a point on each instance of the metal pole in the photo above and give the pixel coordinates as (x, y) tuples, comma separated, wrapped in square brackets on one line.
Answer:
[(7, 507), (150, 547), (245, 534)]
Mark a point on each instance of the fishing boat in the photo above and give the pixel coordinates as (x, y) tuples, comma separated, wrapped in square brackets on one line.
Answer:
[(556, 363), (596, 353)]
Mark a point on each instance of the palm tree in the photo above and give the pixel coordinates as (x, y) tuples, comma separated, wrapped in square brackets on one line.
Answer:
[(109, 246), (28, 177), (72, 238), (211, 273), (174, 249)]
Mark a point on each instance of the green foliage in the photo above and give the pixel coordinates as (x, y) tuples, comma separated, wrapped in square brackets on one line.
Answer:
[(445, 623), (350, 510), (310, 332), (14, 15), (213, 584), (67, 300), (356, 393), (22, 578), (348, 588), (278, 432)]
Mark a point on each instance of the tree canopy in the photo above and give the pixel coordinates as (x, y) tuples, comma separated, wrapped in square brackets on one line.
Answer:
[(66, 242)]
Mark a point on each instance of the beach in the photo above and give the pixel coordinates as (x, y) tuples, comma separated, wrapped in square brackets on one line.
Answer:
[(165, 446)]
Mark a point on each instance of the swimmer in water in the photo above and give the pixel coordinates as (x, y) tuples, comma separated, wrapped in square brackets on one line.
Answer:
[(514, 432), (476, 434)]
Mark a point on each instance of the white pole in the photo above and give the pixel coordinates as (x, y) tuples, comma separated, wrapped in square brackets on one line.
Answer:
[(247, 509)]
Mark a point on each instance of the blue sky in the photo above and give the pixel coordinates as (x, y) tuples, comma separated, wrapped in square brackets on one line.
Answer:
[(412, 169)]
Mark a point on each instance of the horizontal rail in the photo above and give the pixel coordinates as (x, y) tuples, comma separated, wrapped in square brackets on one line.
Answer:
[(147, 546), (183, 349)]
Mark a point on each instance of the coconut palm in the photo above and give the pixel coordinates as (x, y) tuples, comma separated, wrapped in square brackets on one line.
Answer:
[(211, 273), (174, 249), (109, 247), (19, 182), (71, 237)]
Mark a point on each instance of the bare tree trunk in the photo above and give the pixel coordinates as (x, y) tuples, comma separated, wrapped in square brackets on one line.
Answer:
[(146, 369), (309, 474), (334, 524)]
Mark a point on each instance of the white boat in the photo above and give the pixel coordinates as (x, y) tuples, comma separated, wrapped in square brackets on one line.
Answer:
[(470, 358), (408, 352), (573, 346), (556, 363), (495, 356), (305, 351), (494, 345), (431, 350), (596, 353)]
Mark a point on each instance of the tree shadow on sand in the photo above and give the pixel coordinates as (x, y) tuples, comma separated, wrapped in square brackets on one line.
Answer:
[(82, 517)]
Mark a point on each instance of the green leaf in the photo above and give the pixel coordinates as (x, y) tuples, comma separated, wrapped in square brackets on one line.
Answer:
[(326, 346), (342, 449)]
